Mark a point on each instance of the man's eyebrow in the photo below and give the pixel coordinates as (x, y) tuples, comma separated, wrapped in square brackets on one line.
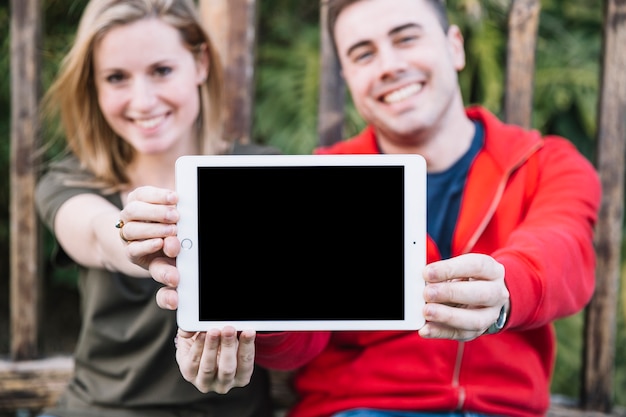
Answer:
[(401, 28), (392, 32), (357, 46)]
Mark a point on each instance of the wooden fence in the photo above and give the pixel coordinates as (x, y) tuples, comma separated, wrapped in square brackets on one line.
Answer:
[(28, 381)]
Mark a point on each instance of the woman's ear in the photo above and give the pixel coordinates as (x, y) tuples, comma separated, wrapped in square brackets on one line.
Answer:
[(203, 64)]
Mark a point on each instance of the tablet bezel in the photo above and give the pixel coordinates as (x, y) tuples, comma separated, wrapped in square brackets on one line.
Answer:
[(414, 168)]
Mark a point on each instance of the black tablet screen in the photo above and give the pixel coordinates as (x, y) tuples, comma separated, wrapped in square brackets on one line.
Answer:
[(301, 243)]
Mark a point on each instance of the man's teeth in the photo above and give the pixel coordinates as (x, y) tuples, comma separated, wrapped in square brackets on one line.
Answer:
[(402, 93), (149, 123)]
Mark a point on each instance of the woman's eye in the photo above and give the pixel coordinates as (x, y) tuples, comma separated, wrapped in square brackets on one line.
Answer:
[(115, 78), (163, 71)]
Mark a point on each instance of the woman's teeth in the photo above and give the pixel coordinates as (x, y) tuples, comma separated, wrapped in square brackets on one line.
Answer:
[(149, 123)]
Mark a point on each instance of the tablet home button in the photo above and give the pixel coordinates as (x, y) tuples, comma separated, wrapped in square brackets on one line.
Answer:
[(186, 244)]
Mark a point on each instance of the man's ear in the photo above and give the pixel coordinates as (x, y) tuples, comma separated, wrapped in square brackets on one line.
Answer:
[(457, 46)]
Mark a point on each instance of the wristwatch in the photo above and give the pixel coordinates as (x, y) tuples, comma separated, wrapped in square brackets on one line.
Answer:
[(499, 323)]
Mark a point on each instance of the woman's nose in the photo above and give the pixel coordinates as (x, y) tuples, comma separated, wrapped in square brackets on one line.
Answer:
[(144, 94)]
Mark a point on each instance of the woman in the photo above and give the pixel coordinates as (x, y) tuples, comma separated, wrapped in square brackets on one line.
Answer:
[(139, 88)]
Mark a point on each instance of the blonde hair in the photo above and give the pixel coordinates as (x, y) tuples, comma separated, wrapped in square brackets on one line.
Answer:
[(73, 97)]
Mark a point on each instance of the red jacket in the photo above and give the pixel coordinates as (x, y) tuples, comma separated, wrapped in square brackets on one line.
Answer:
[(529, 202)]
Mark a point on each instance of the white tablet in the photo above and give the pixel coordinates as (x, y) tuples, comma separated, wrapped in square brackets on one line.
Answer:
[(301, 242)]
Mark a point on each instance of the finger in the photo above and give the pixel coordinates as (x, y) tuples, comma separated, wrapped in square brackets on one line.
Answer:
[(171, 246), (163, 270), (439, 331), (208, 365), (141, 211), (473, 265), (471, 292), (143, 230), (189, 362), (460, 318), (245, 357), (208, 362), (141, 252), (153, 195), (187, 355), (167, 298), (455, 320), (227, 360)]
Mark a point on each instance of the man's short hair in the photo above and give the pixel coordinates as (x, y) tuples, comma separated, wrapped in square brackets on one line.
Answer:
[(335, 7)]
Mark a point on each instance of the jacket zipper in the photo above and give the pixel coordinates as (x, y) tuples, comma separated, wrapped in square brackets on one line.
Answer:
[(470, 244), (455, 378)]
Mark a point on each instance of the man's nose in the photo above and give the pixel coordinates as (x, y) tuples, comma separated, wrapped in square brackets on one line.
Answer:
[(391, 61)]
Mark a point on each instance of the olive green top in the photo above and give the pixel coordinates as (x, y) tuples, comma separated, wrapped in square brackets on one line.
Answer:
[(125, 363)]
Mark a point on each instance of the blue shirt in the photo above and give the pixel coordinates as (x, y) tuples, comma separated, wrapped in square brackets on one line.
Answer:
[(444, 192)]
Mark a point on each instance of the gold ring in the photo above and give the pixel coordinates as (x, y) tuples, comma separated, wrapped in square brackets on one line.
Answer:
[(120, 225)]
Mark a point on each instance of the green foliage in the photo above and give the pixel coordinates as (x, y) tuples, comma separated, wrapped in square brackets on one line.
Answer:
[(568, 367), (567, 74), (287, 77), (483, 25), (287, 87), (57, 39)]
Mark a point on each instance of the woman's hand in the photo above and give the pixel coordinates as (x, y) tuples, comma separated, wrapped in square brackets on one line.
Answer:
[(216, 361), (163, 269), (149, 221), (150, 217)]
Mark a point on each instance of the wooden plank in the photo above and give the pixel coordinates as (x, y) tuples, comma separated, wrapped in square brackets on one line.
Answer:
[(601, 314), (520, 67), (332, 87), (232, 25), (33, 384), (562, 411), (26, 265)]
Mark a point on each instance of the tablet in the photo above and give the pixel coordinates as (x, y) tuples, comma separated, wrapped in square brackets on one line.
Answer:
[(301, 242)]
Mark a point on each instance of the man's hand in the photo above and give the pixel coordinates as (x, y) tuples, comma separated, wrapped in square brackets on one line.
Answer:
[(216, 361), (464, 296)]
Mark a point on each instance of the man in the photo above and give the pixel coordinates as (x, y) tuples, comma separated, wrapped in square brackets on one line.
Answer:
[(510, 224)]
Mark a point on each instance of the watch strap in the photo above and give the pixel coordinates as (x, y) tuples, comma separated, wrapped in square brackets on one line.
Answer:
[(499, 323)]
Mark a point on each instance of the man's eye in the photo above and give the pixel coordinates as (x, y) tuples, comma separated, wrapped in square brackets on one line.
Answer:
[(405, 40), (362, 56)]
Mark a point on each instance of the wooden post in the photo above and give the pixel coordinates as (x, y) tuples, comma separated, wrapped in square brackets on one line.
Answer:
[(26, 266), (520, 68), (601, 314), (332, 87), (232, 25)]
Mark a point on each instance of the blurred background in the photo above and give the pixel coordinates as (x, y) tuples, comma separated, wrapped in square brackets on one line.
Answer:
[(287, 76)]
